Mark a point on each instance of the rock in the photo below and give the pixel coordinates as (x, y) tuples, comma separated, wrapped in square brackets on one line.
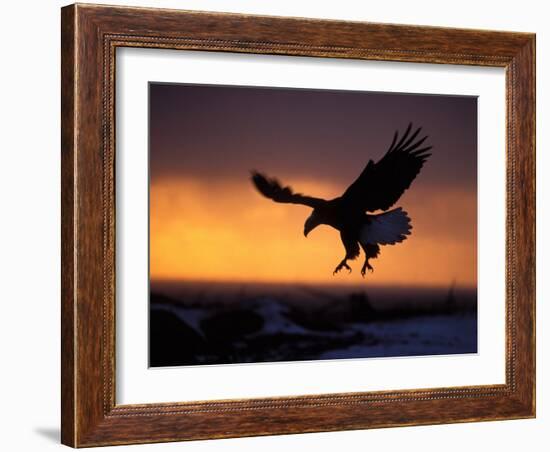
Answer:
[(172, 341), (227, 326)]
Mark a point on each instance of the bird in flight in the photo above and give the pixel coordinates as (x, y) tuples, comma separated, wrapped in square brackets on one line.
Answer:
[(378, 187)]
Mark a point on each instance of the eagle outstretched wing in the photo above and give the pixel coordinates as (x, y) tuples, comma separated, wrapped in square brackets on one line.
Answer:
[(381, 184), (272, 189)]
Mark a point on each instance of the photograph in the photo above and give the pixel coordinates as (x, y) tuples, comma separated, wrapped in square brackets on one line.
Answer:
[(292, 224)]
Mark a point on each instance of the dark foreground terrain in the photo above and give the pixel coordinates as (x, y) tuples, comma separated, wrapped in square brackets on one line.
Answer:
[(200, 323)]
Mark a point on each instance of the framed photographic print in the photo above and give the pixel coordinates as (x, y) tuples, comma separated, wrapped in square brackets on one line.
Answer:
[(281, 225)]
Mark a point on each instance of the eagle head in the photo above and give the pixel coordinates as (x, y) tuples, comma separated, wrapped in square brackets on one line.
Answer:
[(312, 222)]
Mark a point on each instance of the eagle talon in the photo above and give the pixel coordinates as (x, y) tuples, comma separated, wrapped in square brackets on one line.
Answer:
[(364, 269), (340, 266)]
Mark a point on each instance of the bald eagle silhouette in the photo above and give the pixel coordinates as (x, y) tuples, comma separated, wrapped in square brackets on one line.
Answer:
[(378, 187)]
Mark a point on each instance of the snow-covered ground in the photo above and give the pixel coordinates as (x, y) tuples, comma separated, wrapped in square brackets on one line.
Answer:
[(266, 328), (416, 336)]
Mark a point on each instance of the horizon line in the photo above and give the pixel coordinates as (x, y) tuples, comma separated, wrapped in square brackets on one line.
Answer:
[(367, 285)]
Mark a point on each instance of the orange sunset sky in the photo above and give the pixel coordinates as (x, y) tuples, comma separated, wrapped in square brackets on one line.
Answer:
[(207, 222)]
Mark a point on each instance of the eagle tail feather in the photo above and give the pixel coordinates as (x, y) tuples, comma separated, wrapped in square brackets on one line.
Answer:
[(387, 228)]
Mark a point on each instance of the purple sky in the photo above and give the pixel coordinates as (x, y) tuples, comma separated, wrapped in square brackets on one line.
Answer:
[(222, 132)]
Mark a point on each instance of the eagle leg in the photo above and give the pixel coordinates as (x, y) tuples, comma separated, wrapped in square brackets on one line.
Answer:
[(371, 252), (341, 265), (352, 251)]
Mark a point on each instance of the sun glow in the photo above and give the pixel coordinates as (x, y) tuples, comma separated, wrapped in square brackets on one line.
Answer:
[(228, 232)]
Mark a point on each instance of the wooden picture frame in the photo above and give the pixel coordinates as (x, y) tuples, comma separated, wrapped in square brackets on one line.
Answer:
[(90, 36)]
